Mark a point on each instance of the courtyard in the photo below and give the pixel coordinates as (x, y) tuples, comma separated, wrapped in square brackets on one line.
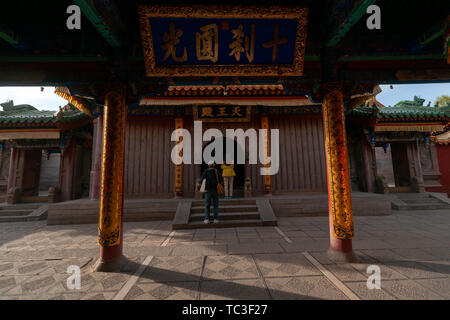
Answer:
[(411, 248)]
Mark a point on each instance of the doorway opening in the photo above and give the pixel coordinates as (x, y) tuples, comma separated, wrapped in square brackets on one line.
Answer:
[(239, 169)]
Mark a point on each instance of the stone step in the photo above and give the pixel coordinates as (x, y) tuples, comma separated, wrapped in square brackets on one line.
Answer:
[(422, 201), (9, 213), (34, 199), (223, 224), (428, 206), (227, 208), (20, 218), (412, 196), (40, 213), (227, 216), (20, 206), (223, 202)]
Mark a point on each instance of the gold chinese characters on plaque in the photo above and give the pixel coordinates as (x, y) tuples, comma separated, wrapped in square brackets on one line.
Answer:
[(226, 40), (221, 113)]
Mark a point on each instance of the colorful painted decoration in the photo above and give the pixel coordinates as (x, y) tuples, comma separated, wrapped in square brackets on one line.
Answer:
[(339, 188)]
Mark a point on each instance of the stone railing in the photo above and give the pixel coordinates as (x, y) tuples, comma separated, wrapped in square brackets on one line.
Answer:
[(14, 195), (54, 195), (248, 188), (381, 185), (198, 194), (417, 185)]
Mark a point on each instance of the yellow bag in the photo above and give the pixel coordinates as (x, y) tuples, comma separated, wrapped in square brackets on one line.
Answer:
[(220, 189)]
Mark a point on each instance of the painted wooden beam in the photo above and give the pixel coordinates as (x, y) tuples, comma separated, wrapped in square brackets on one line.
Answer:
[(8, 35), (51, 58), (431, 34), (13, 38), (346, 21), (100, 17)]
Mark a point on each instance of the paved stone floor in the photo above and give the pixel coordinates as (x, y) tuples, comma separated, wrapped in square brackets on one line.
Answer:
[(411, 248)]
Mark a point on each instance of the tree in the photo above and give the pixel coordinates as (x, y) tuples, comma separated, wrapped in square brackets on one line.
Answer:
[(442, 101)]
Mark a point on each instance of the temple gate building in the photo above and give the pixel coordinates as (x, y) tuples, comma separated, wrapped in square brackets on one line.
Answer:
[(45, 154), (139, 69)]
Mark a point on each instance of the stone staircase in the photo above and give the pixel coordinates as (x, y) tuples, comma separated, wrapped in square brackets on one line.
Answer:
[(232, 213), (420, 201), (23, 212)]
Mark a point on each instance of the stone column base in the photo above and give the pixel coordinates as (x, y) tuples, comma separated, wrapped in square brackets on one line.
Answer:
[(116, 265)]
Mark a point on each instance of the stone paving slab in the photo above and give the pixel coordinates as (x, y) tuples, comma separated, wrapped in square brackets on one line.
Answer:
[(148, 251), (303, 288), (199, 250), (360, 288), (383, 255), (249, 248), (415, 270), (250, 289), (346, 272), (386, 272), (440, 286), (230, 267), (306, 245), (415, 253), (285, 264), (441, 266), (186, 290), (409, 290), (166, 269)]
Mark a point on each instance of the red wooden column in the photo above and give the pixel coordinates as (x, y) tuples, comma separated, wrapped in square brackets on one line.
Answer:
[(12, 168), (178, 176), (94, 192), (266, 150), (338, 175), (110, 229)]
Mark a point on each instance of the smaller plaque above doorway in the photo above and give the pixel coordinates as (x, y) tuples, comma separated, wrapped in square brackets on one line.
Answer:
[(221, 113)]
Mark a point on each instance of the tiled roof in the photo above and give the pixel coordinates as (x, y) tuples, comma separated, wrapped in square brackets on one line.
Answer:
[(412, 112), (229, 90), (27, 114), (404, 110)]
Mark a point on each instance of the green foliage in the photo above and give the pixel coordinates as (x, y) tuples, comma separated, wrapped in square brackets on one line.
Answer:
[(442, 101)]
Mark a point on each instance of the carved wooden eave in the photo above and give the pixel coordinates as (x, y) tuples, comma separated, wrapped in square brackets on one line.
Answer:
[(365, 98), (35, 134), (242, 101), (443, 138), (78, 102), (412, 126)]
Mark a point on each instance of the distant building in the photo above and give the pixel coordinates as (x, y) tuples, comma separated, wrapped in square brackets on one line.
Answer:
[(42, 150), (390, 149)]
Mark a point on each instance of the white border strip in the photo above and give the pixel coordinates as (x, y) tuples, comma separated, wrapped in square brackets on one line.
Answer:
[(133, 279), (336, 282), (283, 235), (166, 242)]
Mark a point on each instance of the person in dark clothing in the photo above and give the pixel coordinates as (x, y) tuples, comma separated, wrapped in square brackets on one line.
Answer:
[(211, 191)]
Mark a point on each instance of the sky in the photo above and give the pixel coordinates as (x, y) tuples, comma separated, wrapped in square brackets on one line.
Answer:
[(47, 100), (429, 92)]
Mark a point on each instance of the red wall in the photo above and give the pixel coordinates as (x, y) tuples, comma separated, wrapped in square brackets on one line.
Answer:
[(443, 155), (66, 172)]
